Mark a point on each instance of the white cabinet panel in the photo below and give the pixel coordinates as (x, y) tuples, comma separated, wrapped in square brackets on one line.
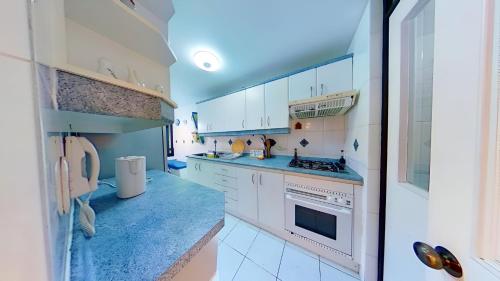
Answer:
[(14, 29), (255, 108), (247, 187), (276, 101), (271, 200), (231, 113), (200, 171), (203, 118), (335, 77), (302, 85)]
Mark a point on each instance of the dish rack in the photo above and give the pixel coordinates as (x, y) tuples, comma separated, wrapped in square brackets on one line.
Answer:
[(329, 105)]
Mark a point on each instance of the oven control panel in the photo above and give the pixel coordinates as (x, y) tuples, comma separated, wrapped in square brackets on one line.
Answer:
[(326, 195)]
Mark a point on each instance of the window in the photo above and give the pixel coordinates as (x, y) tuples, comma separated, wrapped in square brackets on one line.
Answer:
[(419, 64)]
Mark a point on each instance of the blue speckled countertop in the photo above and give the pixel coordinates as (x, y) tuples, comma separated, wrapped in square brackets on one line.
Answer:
[(279, 162), (147, 237)]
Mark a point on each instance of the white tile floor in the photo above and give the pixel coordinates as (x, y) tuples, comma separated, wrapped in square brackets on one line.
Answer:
[(247, 253)]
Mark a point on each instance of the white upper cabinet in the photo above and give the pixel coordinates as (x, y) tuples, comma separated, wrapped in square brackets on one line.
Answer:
[(276, 104), (255, 108), (203, 116), (302, 85), (334, 77), (230, 112)]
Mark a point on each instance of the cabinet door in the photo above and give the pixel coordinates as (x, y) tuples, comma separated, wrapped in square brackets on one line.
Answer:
[(335, 77), (302, 85), (212, 108), (205, 173), (247, 191), (271, 200), (203, 121), (276, 97), (255, 108), (231, 112), (192, 169)]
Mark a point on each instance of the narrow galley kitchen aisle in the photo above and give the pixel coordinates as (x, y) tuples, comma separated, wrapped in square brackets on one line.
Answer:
[(248, 253)]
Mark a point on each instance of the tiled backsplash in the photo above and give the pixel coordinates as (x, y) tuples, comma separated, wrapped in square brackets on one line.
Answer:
[(319, 137)]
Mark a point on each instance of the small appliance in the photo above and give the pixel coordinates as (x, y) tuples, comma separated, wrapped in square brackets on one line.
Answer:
[(77, 149), (130, 176), (321, 213)]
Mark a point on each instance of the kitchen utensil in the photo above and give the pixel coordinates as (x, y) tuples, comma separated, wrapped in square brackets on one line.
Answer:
[(76, 150), (238, 146), (130, 176)]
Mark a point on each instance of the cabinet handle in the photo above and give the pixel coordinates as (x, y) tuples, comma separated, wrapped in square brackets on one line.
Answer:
[(243, 123), (261, 122), (199, 167), (311, 91), (268, 121), (260, 179), (322, 88), (253, 175)]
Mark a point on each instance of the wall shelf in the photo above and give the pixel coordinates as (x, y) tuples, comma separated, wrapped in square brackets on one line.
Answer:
[(120, 83), (114, 20), (68, 121)]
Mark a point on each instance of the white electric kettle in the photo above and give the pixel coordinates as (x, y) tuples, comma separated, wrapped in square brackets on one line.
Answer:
[(130, 176)]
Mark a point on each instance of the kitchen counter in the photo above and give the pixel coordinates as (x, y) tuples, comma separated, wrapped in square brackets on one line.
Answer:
[(148, 237), (279, 162)]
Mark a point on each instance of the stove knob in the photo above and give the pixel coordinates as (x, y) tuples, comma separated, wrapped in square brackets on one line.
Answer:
[(340, 200)]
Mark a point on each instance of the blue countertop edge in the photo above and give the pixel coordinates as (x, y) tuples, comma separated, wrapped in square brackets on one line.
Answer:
[(280, 162), (150, 231)]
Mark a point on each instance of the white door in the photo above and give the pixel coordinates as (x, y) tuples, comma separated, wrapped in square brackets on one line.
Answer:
[(276, 96), (230, 112), (271, 200), (334, 77), (435, 87), (255, 108), (247, 191), (302, 85)]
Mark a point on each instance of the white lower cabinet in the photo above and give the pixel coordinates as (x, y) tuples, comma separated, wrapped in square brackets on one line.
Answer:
[(262, 198), (247, 185), (252, 194), (271, 200), (200, 171)]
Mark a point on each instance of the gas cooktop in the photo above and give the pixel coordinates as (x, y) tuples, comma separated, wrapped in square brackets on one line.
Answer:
[(336, 166)]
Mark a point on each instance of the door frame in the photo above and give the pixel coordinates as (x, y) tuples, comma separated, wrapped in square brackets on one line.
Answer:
[(388, 7)]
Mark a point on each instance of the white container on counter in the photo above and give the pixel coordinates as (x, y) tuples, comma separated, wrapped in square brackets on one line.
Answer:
[(130, 176)]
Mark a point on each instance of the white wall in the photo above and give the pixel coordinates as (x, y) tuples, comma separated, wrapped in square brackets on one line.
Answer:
[(24, 252), (363, 123), (326, 137)]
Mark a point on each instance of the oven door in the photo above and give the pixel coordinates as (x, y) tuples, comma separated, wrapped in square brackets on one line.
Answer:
[(322, 222)]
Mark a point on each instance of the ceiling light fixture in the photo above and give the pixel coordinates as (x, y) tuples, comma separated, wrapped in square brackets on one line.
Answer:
[(207, 61)]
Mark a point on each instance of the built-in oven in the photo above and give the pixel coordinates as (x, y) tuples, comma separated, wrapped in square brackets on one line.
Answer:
[(320, 215)]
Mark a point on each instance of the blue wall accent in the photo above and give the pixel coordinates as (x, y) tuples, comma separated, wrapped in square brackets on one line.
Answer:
[(286, 75), (248, 132), (147, 143)]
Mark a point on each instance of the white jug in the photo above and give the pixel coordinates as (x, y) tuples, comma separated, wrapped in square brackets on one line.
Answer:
[(130, 176)]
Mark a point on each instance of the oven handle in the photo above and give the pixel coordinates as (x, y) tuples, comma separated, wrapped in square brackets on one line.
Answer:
[(307, 201)]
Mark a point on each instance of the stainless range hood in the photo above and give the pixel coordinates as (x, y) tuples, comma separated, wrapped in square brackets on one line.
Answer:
[(327, 105)]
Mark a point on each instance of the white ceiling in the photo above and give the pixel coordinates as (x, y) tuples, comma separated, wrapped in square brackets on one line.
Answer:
[(256, 40)]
